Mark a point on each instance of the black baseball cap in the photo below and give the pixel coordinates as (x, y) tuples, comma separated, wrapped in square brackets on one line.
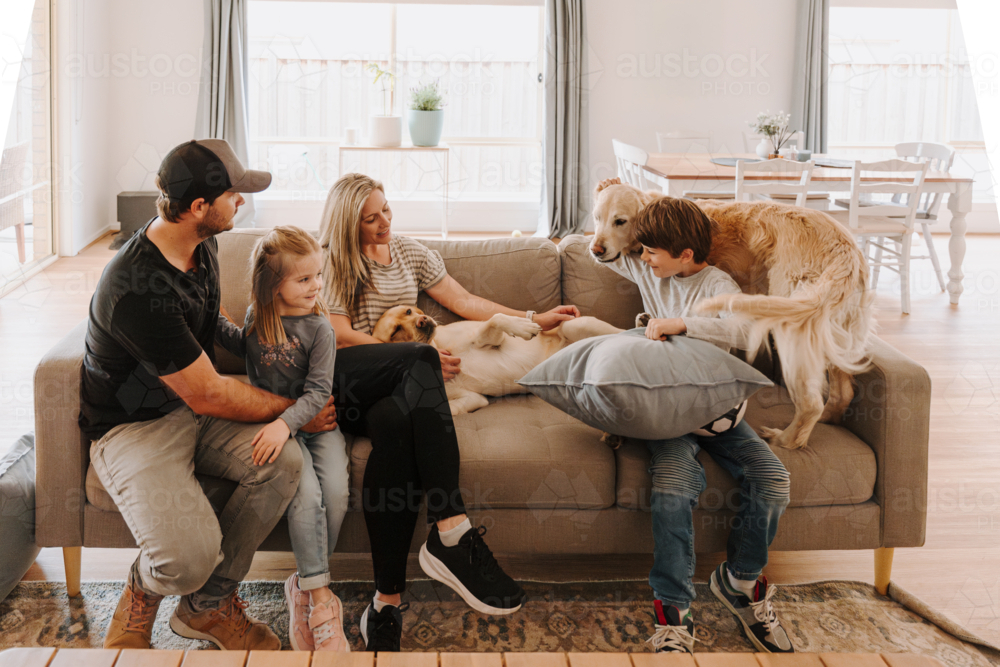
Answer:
[(206, 168)]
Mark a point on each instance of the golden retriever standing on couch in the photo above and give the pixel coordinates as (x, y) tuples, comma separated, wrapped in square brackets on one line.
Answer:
[(804, 279), (495, 354)]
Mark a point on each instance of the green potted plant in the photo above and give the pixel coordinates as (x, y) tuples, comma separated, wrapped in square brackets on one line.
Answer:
[(387, 129), (426, 117)]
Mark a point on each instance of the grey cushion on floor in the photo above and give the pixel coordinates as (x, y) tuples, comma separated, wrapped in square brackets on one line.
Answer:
[(629, 385), (17, 513)]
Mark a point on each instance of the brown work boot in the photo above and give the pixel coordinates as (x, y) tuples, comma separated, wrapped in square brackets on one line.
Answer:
[(228, 627), (132, 624)]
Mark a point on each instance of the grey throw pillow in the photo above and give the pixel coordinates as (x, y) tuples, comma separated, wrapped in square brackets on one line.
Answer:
[(631, 386), (17, 513)]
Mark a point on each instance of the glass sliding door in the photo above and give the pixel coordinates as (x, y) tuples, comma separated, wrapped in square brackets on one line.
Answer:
[(26, 165)]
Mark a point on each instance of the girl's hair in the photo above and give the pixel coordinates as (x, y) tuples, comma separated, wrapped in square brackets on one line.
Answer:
[(346, 274), (273, 256)]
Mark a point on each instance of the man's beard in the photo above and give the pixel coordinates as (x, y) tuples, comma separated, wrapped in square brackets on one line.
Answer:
[(215, 222)]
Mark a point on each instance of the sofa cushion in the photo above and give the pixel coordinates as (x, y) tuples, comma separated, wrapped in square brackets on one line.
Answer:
[(520, 273), (837, 468), (596, 290), (519, 452), (629, 385)]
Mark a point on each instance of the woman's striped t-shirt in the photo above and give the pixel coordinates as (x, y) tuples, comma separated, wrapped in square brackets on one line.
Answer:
[(414, 267)]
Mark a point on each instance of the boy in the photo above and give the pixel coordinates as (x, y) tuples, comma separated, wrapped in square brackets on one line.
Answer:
[(673, 276)]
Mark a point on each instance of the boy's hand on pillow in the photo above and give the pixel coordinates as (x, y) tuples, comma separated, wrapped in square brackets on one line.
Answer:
[(268, 442), (663, 328)]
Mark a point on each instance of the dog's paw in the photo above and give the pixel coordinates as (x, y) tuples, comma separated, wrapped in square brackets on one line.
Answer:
[(613, 441), (642, 320), (523, 328)]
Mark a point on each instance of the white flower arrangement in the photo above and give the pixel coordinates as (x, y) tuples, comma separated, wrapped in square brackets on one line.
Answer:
[(774, 127)]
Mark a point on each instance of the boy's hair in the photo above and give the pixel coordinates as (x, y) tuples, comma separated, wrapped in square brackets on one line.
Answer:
[(272, 258), (674, 225)]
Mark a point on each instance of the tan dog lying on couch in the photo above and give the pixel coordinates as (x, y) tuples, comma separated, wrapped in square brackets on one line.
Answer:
[(804, 279), (495, 354)]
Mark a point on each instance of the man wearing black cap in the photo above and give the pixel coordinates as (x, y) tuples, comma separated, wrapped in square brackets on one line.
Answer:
[(157, 412)]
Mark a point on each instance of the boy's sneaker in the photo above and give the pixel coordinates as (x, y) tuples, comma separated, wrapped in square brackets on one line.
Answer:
[(673, 634), (470, 569), (760, 623), (383, 630)]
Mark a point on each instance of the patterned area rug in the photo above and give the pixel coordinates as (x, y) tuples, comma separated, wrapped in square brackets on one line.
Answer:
[(595, 616)]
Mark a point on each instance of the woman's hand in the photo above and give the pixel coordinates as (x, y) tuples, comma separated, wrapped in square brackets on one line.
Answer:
[(556, 316), (608, 181), (449, 365), (268, 442), (661, 329)]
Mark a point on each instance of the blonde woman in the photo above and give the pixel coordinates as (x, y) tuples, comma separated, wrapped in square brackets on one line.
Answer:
[(395, 394)]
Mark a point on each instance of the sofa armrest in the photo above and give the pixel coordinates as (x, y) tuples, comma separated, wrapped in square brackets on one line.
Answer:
[(61, 455), (891, 413)]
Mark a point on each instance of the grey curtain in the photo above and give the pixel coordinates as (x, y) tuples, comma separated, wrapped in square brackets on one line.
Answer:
[(223, 95), (565, 196), (810, 96)]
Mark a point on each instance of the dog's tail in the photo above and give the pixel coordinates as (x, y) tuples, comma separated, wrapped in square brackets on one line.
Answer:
[(829, 318)]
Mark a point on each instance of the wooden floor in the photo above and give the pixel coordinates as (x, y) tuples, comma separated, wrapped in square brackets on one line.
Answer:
[(955, 571), (50, 657)]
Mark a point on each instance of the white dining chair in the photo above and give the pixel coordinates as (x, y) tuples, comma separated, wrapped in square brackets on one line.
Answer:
[(797, 183), (874, 223), (631, 160), (939, 157), (684, 142)]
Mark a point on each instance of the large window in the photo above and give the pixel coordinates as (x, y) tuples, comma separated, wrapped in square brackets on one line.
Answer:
[(25, 130), (309, 84), (903, 74)]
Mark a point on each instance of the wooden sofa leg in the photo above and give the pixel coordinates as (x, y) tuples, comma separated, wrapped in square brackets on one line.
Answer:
[(883, 569), (71, 561)]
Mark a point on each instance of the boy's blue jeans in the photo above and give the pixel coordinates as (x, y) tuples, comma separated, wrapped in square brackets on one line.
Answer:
[(317, 511), (678, 480)]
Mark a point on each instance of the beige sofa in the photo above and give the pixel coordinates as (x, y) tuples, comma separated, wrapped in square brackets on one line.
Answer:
[(541, 481)]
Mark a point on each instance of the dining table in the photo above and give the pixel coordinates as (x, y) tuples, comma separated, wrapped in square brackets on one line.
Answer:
[(676, 173)]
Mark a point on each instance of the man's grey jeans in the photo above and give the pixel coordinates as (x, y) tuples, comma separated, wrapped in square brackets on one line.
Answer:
[(149, 469)]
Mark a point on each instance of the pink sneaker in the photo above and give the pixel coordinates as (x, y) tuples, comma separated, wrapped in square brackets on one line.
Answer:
[(326, 621), (299, 634)]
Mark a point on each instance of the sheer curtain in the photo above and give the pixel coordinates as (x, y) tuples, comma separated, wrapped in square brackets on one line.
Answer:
[(810, 96), (565, 200), (222, 98)]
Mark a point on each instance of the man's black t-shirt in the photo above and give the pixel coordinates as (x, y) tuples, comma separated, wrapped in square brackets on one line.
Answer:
[(147, 319)]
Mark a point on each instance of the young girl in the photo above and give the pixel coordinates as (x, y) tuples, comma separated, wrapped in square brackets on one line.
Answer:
[(289, 347)]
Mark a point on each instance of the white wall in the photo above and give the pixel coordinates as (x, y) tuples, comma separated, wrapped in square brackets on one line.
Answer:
[(127, 90), (655, 66)]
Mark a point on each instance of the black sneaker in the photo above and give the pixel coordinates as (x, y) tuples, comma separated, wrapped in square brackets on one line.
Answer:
[(383, 630), (470, 569), (673, 635), (757, 618)]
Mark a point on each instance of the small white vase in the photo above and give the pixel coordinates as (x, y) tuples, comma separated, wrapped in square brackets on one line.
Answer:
[(764, 148), (385, 131)]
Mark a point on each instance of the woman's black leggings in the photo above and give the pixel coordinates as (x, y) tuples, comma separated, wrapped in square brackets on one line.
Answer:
[(394, 394)]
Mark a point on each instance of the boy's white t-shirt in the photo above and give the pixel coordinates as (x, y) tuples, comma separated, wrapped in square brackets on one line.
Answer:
[(676, 297)]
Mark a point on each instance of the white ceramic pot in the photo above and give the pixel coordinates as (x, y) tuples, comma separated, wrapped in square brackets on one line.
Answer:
[(764, 148), (385, 131)]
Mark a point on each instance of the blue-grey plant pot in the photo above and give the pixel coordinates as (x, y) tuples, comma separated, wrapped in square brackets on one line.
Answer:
[(426, 127)]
